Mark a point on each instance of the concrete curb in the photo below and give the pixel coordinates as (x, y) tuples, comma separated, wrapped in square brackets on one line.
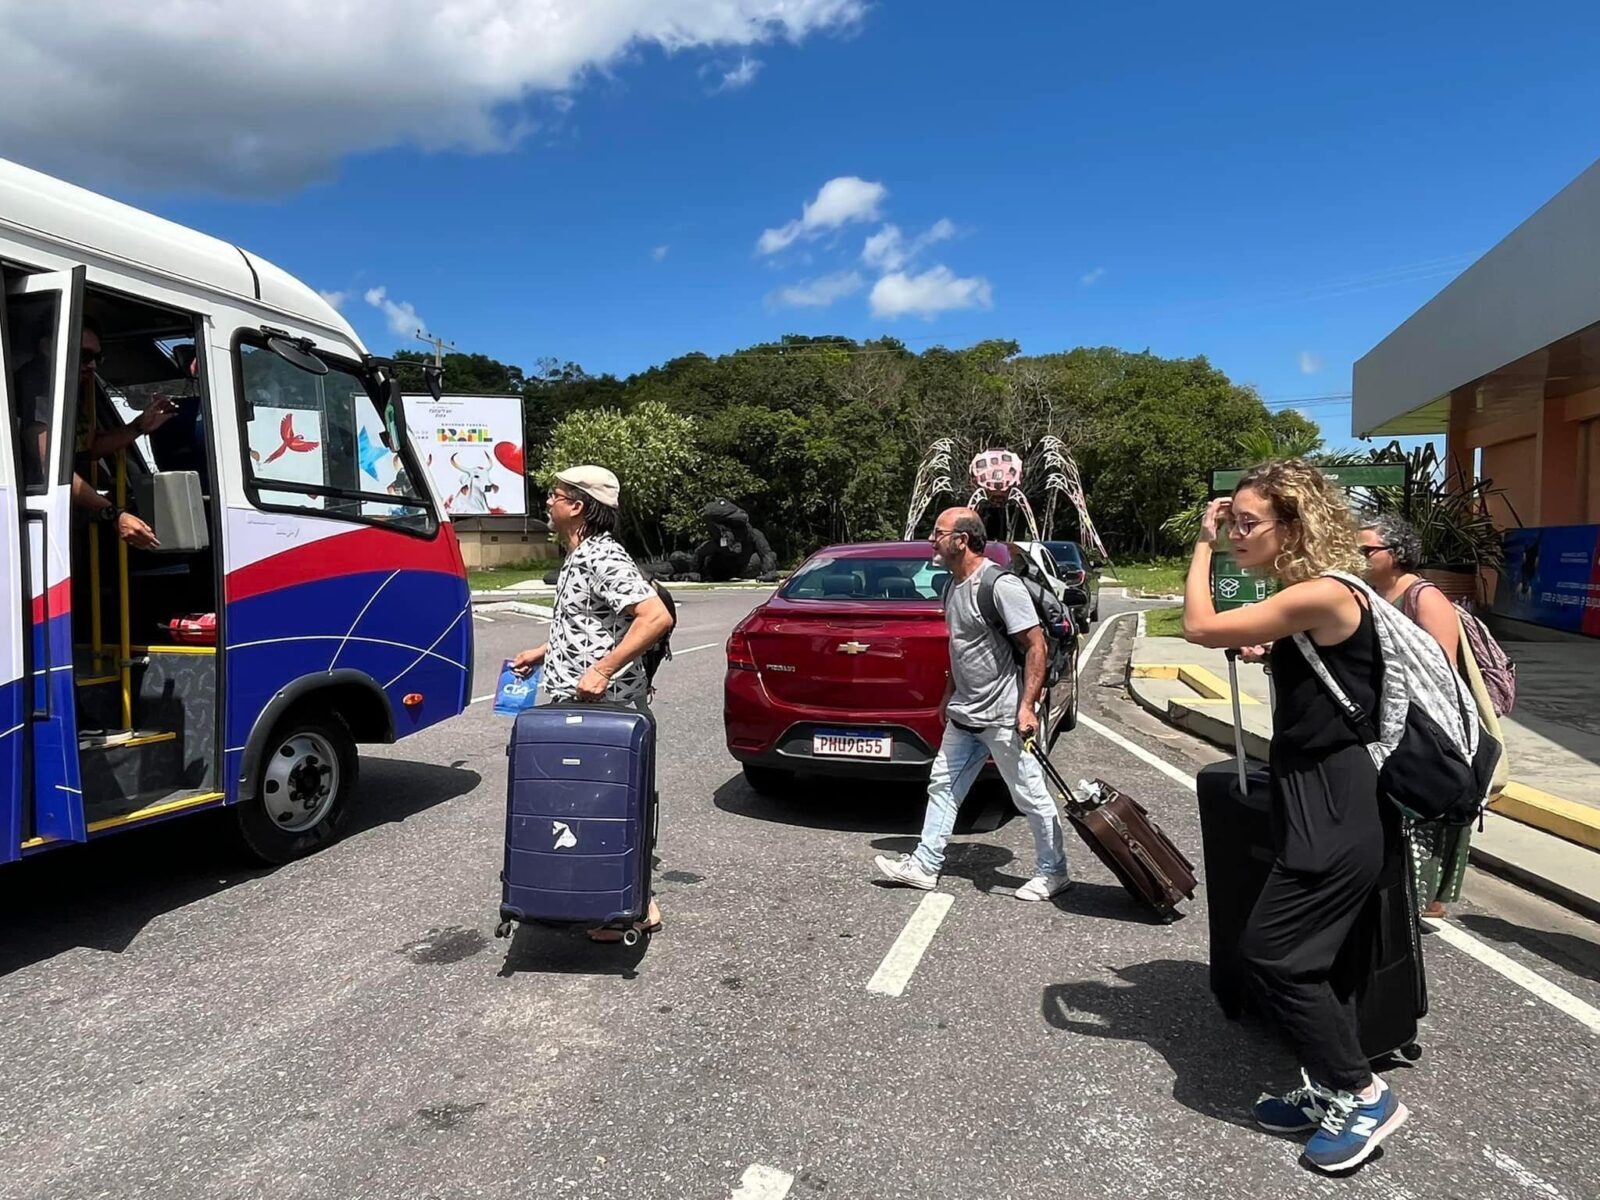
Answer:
[(1565, 819), (1551, 889), (1194, 716), (522, 607)]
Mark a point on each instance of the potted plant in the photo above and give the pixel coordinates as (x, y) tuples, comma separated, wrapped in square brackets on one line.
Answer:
[(1459, 538)]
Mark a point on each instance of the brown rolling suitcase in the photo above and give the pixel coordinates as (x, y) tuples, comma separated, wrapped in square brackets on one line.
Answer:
[(1132, 846)]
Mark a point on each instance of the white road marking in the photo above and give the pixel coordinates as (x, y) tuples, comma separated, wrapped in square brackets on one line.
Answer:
[(763, 1183), (1557, 997), (1139, 752), (692, 649), (1094, 640), (1521, 1173), (484, 617), (481, 699), (895, 971)]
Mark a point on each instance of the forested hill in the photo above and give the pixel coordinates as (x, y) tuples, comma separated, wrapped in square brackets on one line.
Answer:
[(819, 438)]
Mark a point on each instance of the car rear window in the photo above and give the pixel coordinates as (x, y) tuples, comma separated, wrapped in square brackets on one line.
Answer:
[(1066, 554), (877, 579)]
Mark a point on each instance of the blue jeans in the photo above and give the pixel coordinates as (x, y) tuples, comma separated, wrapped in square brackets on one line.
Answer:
[(961, 757)]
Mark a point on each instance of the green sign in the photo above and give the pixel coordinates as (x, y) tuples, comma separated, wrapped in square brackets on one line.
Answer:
[(1366, 475), (1231, 585)]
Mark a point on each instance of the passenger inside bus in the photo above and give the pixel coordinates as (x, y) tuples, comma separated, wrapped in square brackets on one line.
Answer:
[(32, 383)]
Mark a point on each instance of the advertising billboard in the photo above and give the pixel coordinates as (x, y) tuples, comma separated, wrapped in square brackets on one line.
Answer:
[(472, 446), (1552, 578)]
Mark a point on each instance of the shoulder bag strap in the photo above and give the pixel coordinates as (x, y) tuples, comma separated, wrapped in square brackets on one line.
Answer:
[(1354, 713)]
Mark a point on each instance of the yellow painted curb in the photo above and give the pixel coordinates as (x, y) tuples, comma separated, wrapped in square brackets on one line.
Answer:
[(1201, 680), (1565, 819)]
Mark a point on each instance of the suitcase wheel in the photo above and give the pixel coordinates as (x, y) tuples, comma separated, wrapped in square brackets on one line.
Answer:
[(1411, 1052), (503, 929)]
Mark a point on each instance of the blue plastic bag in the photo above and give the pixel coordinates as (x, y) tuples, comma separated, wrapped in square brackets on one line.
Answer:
[(515, 693)]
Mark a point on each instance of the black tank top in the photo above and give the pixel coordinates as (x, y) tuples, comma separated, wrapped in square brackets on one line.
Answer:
[(1307, 723)]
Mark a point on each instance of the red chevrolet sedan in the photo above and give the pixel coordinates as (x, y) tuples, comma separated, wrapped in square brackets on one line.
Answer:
[(842, 670)]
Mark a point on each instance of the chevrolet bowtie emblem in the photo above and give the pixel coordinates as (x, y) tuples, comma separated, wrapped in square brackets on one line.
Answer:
[(853, 647)]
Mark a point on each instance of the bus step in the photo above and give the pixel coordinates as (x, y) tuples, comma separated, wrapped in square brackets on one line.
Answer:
[(106, 739), (113, 813)]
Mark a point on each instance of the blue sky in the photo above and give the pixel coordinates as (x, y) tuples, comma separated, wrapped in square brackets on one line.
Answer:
[(1272, 189)]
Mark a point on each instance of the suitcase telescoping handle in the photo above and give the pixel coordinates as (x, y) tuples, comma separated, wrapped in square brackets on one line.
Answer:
[(1238, 720), (1052, 775)]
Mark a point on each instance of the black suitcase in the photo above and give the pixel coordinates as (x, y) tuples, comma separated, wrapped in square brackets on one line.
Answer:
[(1381, 963)]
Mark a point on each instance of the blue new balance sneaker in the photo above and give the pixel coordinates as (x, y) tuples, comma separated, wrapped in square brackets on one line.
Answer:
[(1351, 1130), (1293, 1112)]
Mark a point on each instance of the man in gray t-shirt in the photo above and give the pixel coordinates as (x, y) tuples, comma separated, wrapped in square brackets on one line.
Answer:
[(990, 710)]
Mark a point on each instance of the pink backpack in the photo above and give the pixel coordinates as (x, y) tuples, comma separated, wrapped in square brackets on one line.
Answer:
[(1498, 671)]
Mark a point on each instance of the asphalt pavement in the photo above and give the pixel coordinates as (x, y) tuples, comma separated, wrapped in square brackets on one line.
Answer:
[(348, 1026)]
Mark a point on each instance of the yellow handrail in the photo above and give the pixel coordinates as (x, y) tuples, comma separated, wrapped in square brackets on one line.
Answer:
[(124, 659)]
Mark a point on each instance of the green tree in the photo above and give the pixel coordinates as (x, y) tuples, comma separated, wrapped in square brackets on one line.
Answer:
[(651, 450)]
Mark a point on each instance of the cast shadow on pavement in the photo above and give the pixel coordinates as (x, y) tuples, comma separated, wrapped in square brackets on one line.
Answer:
[(566, 950), (1218, 1066), (102, 894), (854, 806), (1574, 954)]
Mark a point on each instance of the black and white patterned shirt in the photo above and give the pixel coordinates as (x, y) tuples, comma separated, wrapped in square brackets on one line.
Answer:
[(598, 582)]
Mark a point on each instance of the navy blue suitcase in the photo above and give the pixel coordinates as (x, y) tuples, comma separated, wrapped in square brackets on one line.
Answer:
[(580, 816)]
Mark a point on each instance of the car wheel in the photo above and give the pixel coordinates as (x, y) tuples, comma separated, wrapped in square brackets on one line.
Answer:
[(304, 791), (767, 781)]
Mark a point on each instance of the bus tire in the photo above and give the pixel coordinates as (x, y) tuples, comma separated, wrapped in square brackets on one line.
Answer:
[(304, 789)]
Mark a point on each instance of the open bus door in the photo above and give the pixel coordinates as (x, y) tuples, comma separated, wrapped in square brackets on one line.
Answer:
[(13, 662), (43, 319)]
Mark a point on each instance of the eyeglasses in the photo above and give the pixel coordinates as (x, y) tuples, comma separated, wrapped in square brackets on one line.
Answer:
[(944, 533), (1245, 526), (1368, 551), (88, 358)]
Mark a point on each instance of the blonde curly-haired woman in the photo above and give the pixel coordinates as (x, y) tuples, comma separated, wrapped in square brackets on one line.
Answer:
[(1331, 832)]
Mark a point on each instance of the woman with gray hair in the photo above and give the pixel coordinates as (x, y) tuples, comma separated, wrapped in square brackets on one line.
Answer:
[(1393, 551)]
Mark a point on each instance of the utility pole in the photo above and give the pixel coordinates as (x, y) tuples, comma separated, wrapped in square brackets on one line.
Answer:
[(438, 345)]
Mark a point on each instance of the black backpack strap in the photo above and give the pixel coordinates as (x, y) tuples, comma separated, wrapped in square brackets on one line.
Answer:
[(986, 605)]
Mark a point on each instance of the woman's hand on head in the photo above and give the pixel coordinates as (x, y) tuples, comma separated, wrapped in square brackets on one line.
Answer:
[(1216, 515)]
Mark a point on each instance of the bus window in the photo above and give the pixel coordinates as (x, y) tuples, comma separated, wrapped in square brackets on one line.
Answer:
[(31, 334), (318, 443)]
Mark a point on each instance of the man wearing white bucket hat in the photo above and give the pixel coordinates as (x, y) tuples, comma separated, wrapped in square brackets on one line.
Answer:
[(607, 615)]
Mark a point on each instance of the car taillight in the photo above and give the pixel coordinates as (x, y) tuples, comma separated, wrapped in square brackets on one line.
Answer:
[(740, 656), (1074, 576)]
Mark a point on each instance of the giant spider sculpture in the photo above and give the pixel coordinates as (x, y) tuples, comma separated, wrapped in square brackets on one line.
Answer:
[(996, 477)]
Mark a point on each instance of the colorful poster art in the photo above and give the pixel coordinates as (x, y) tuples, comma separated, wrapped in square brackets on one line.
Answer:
[(286, 444), (472, 447), (1552, 578)]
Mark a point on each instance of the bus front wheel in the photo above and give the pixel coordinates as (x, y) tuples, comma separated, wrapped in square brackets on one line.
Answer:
[(304, 790)]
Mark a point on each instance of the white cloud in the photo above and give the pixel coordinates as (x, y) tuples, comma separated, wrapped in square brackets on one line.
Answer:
[(660, 253), (334, 299), (1310, 363), (888, 249), (818, 293), (296, 85), (1092, 278), (740, 76), (402, 317), (935, 291), (840, 201)]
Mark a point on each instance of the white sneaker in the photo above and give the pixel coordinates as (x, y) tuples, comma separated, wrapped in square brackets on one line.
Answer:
[(1042, 887), (906, 870)]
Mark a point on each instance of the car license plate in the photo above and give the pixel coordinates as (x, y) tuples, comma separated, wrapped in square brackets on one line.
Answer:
[(851, 743)]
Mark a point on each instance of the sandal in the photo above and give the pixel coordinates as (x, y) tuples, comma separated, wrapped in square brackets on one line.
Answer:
[(611, 934)]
